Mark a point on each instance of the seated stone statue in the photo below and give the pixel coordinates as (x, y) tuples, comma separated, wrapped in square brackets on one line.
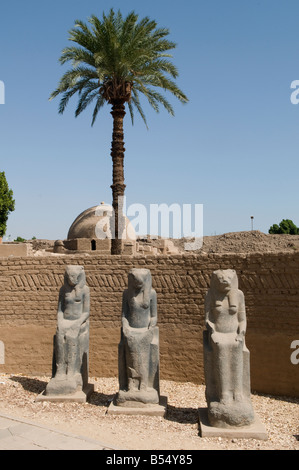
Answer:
[(71, 342), (226, 358), (139, 345)]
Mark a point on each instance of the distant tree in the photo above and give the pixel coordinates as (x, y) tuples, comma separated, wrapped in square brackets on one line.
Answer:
[(286, 226), (20, 239), (7, 203)]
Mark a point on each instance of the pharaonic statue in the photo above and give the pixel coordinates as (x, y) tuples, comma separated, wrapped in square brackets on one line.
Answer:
[(226, 357), (139, 345), (71, 341)]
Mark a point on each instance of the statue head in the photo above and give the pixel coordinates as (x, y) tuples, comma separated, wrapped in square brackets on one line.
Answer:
[(74, 275), (140, 280), (224, 280)]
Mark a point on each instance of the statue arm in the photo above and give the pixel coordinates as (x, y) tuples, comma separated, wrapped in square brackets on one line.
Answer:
[(61, 325), (242, 314), (242, 324), (153, 310), (60, 307), (125, 311), (209, 324), (86, 305)]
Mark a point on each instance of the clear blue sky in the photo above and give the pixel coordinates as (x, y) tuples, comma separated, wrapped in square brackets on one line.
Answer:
[(233, 148)]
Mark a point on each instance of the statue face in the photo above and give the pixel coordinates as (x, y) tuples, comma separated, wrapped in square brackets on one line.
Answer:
[(224, 279), (138, 282), (74, 274), (138, 278)]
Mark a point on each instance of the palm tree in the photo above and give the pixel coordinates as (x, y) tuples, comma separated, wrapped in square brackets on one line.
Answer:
[(115, 61)]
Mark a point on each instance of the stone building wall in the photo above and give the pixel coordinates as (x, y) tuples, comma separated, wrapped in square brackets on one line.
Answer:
[(29, 289)]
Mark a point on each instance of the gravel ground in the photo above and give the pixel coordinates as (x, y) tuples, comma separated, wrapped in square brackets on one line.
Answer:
[(178, 430)]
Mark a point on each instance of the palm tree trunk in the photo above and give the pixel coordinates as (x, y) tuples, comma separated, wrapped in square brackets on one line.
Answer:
[(118, 186)]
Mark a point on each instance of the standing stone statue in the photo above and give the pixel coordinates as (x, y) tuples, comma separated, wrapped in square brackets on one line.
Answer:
[(71, 342), (139, 344), (226, 358)]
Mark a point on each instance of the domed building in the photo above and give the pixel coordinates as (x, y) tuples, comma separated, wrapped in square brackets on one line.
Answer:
[(93, 229)]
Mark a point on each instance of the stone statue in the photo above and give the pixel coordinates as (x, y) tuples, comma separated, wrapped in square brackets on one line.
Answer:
[(226, 358), (139, 344), (71, 342)]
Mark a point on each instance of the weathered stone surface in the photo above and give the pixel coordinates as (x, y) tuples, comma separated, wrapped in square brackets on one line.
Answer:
[(14, 249), (139, 346), (226, 358), (255, 430), (28, 310), (2, 353), (71, 341), (134, 408)]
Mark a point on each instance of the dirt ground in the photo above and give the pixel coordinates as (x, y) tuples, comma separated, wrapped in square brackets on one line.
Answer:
[(234, 242), (248, 242), (178, 430)]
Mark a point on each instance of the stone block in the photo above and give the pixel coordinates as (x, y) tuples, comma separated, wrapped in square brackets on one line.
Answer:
[(129, 248), (78, 244), (80, 396), (13, 249), (255, 430), (70, 244), (88, 244), (137, 408), (103, 244)]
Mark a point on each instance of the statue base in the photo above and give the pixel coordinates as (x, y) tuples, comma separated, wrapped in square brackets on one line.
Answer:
[(255, 430), (149, 396), (79, 396), (138, 408), (235, 413)]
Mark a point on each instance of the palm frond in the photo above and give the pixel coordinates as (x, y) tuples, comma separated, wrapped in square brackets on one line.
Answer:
[(86, 96), (136, 102), (99, 104), (131, 110), (123, 52), (77, 55)]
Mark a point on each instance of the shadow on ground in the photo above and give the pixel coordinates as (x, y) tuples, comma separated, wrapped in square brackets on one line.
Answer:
[(30, 384), (179, 415), (37, 386), (182, 415), (100, 399)]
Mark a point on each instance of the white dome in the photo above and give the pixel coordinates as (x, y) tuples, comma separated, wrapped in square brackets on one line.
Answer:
[(96, 222)]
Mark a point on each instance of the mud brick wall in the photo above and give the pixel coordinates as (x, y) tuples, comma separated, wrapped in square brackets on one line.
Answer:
[(29, 289)]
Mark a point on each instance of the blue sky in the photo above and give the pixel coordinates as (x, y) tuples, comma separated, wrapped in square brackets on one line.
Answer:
[(233, 148)]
